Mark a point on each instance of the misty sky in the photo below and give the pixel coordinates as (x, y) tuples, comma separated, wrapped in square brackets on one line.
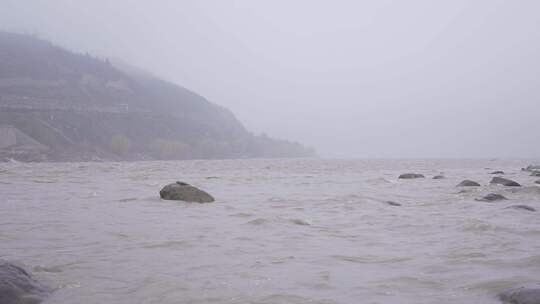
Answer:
[(377, 78)]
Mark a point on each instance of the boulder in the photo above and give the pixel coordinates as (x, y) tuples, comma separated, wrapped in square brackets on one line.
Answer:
[(468, 183), (497, 172), (18, 287), (438, 177), (410, 176), (503, 181), (522, 207), (181, 191), (526, 294), (491, 198)]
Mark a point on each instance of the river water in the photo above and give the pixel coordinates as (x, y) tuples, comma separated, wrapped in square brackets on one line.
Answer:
[(280, 231)]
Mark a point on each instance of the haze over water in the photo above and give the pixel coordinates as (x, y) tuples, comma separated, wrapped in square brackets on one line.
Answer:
[(281, 231), (384, 78)]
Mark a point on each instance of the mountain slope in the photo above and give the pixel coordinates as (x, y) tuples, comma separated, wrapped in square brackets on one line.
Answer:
[(82, 107)]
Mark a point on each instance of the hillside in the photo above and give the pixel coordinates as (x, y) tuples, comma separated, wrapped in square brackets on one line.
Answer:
[(78, 107)]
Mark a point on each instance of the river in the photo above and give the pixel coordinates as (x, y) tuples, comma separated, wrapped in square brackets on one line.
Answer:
[(280, 231)]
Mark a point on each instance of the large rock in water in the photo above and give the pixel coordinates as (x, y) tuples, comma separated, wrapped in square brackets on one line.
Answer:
[(181, 191), (503, 181), (468, 183), (18, 287), (410, 176), (527, 294)]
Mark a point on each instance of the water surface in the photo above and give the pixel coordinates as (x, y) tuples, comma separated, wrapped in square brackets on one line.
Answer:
[(280, 231)]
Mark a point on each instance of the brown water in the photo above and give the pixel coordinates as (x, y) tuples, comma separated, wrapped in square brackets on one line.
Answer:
[(281, 231)]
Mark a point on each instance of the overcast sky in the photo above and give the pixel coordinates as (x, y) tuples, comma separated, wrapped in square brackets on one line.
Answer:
[(379, 78)]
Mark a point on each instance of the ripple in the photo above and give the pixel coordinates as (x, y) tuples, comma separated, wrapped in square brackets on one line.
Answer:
[(370, 259), (258, 221), (242, 214), (130, 199), (300, 222), (54, 268), (167, 244), (42, 181), (289, 299), (407, 282)]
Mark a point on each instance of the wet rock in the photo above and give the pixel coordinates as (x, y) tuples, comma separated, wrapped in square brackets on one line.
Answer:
[(522, 207), (410, 176), (531, 168), (492, 197), (438, 177), (503, 181), (527, 294), (391, 203), (18, 287), (181, 191), (497, 172), (468, 183)]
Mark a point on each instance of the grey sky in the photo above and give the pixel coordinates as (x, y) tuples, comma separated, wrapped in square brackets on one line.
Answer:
[(375, 78)]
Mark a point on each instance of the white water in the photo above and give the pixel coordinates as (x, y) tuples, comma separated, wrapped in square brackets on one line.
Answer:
[(281, 231)]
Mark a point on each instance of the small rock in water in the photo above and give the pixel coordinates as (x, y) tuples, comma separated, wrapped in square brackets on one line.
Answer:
[(438, 177), (391, 203), (503, 181), (491, 198), (497, 172), (181, 191), (410, 176), (527, 294), (522, 207), (538, 181), (535, 173), (18, 287), (531, 168), (468, 183)]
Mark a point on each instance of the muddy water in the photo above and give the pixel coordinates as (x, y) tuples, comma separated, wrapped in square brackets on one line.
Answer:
[(280, 231)]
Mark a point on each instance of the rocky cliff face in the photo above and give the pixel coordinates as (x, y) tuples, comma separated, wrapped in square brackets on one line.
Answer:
[(77, 107)]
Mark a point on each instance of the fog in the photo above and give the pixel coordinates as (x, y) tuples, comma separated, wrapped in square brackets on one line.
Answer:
[(378, 78)]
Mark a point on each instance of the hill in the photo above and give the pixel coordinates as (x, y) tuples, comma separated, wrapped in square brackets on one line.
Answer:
[(80, 107)]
